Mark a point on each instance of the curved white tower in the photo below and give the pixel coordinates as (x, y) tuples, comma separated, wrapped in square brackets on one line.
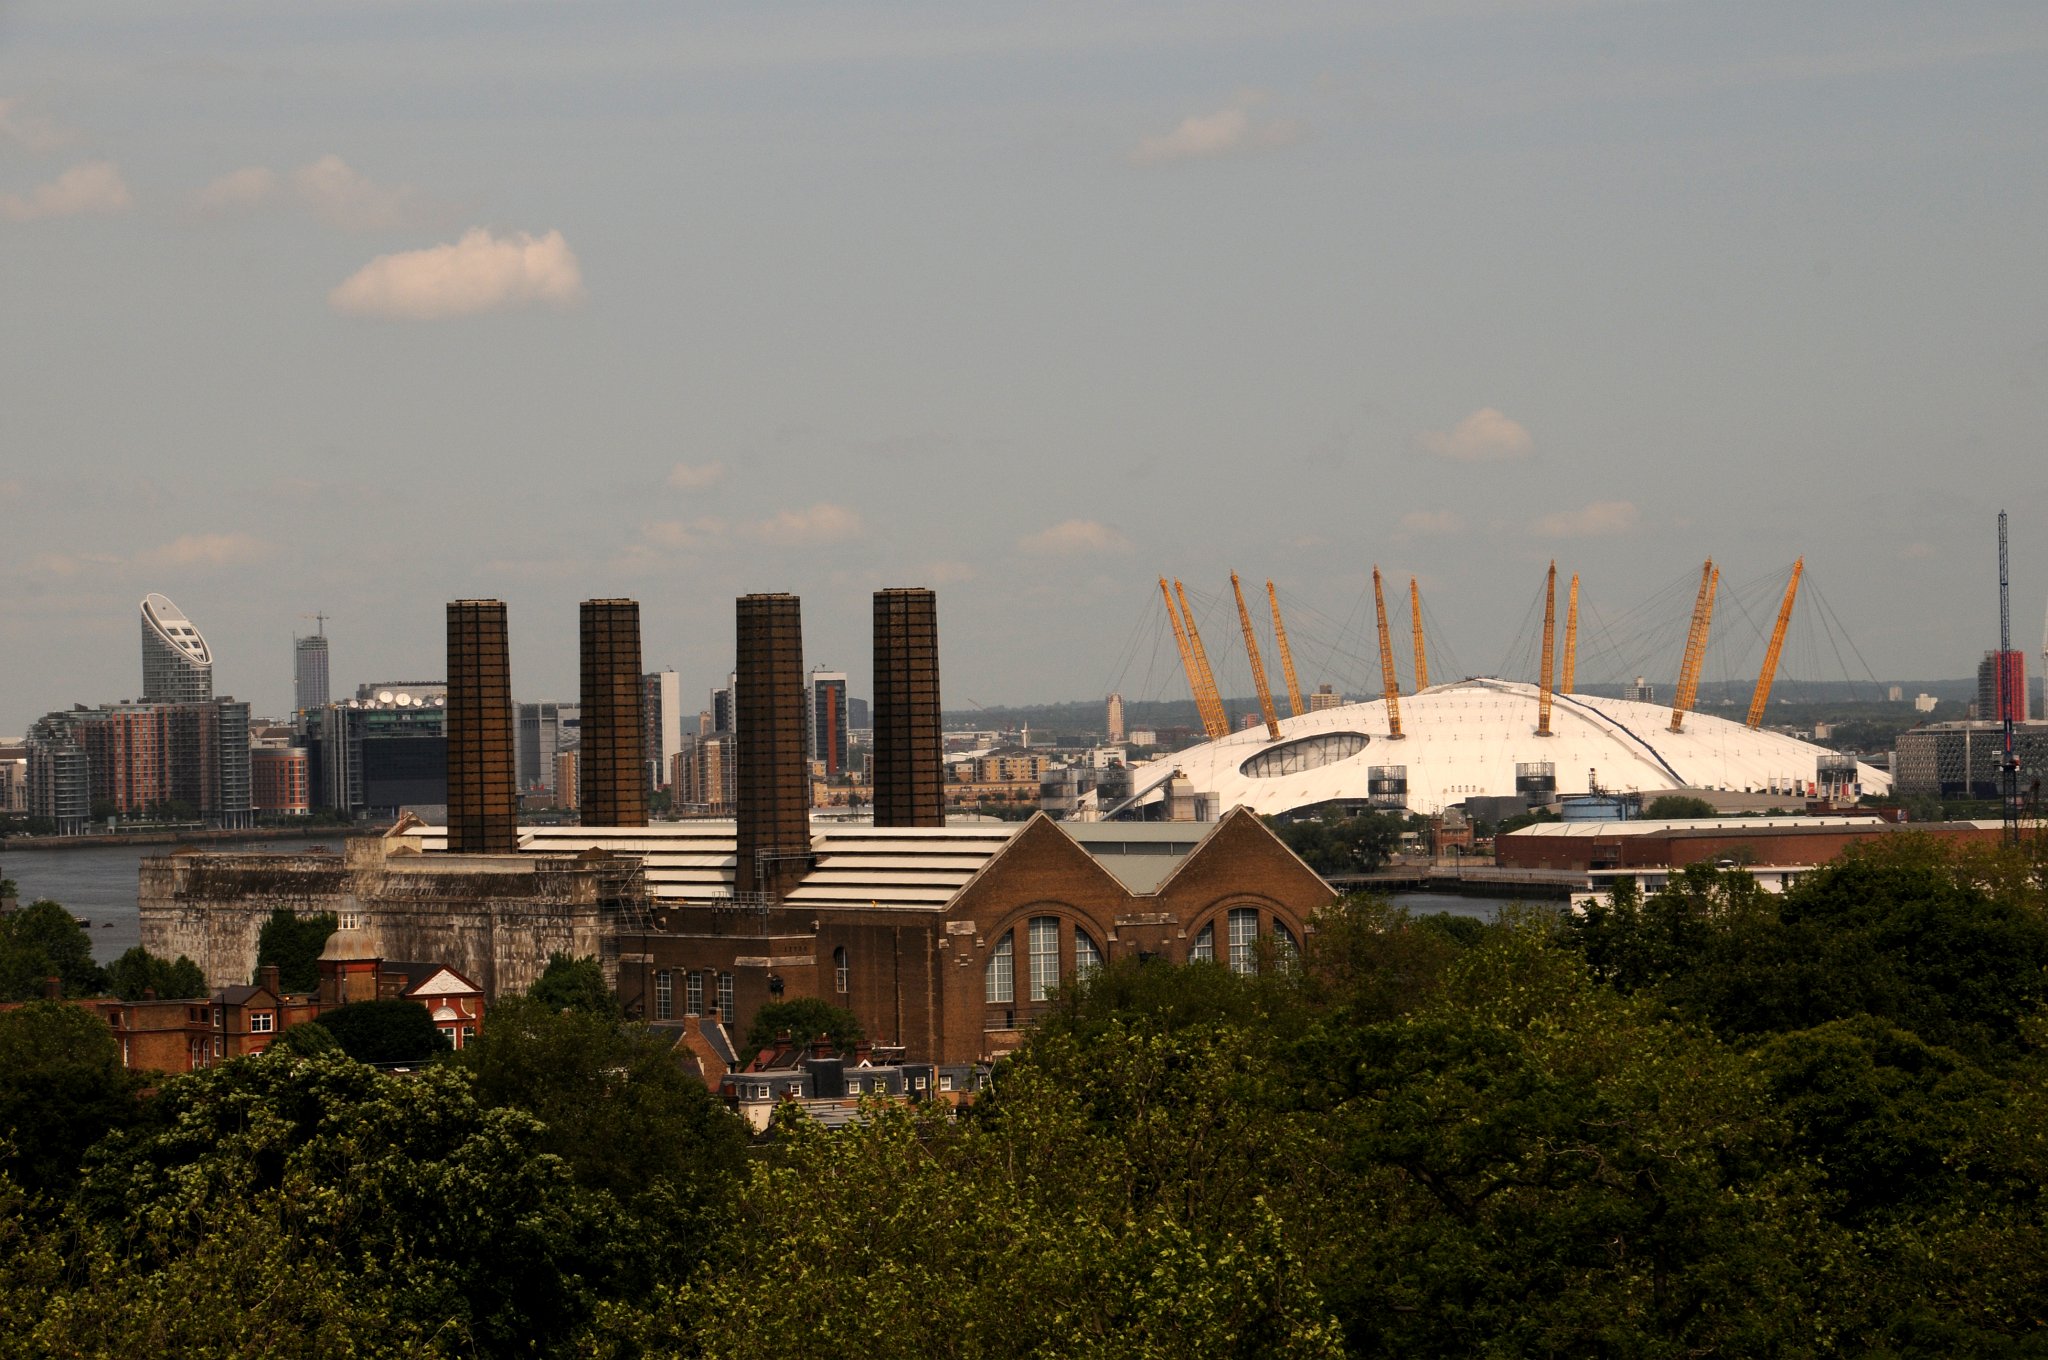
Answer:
[(177, 667)]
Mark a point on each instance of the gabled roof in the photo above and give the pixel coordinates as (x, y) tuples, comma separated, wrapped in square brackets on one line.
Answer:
[(430, 979), (243, 994)]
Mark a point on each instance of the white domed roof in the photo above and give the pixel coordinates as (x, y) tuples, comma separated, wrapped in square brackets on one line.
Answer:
[(1465, 740)]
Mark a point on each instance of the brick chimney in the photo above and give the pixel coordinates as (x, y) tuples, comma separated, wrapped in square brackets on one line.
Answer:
[(483, 800), (610, 765), (267, 977), (53, 989), (774, 784), (909, 755)]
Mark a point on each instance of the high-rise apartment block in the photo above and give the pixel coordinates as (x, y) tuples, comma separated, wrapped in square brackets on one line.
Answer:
[(2002, 686), (611, 763), (661, 713), (483, 804), (1114, 718), (309, 673), (189, 760), (1324, 697), (177, 665), (828, 720)]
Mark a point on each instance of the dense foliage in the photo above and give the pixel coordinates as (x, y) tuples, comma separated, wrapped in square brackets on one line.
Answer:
[(389, 1030), (43, 941), (573, 984), (292, 944), (1709, 1121), (138, 972), (1344, 845), (1677, 806), (803, 1019)]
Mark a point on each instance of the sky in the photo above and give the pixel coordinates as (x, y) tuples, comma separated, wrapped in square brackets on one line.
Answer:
[(353, 307)]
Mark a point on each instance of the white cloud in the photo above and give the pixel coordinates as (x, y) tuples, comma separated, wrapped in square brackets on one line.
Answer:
[(338, 195), (1075, 536), (244, 188), (29, 131), (821, 523), (1419, 522), (88, 187), (207, 550), (1601, 519), (479, 273), (1485, 436), (696, 476), (1230, 129)]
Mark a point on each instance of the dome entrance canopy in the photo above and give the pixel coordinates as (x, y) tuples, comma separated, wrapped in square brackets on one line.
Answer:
[(1303, 754)]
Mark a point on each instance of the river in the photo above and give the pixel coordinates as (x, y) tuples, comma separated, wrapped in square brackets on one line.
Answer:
[(97, 882)]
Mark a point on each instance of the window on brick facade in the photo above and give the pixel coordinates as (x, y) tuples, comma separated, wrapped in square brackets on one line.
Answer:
[(1044, 934), (664, 995), (1000, 987), (725, 1009), (842, 973), (693, 993), (1244, 940), (260, 1022), (1203, 947), (1286, 949), (1087, 957), (945, 1082)]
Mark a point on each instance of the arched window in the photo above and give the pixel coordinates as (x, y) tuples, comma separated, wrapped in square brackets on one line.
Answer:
[(1286, 949), (1087, 958), (1244, 940), (841, 973), (1001, 980), (1045, 956), (1203, 950)]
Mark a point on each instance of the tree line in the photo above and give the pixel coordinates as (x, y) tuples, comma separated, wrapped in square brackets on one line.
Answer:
[(1708, 1120)]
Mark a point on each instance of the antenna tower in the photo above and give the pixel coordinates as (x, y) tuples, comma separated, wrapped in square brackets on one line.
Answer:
[(2008, 763)]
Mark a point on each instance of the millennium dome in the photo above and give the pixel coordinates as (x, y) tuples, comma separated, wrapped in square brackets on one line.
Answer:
[(1478, 738)]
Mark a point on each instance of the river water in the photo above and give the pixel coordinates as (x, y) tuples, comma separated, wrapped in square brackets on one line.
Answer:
[(98, 882)]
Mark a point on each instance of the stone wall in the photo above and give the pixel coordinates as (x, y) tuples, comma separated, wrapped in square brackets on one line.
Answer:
[(494, 919)]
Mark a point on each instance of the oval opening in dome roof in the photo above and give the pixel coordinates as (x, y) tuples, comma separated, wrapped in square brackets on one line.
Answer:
[(1303, 754)]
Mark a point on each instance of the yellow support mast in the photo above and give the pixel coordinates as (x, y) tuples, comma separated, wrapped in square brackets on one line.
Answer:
[(1251, 651), (1695, 646), (1215, 721), (1286, 653), (1769, 673), (1187, 656), (1390, 687), (1571, 641), (1421, 652), (1549, 646)]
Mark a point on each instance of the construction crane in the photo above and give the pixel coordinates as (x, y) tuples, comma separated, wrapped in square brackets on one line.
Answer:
[(1286, 653), (1421, 652), (2008, 762), (1390, 687), (1215, 722), (1695, 646), (1567, 680), (1187, 658), (1549, 647), (1769, 673), (1251, 651)]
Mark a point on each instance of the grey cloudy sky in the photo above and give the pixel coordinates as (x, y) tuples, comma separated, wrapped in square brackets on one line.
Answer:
[(362, 306)]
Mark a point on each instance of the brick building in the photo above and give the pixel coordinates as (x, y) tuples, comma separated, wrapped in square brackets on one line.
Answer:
[(1774, 842), (944, 941)]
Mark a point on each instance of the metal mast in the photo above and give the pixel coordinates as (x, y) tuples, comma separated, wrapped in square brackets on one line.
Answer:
[(1251, 651), (1549, 644), (1390, 687), (1187, 661), (2008, 763), (1216, 722), (1695, 646), (1769, 671), (1569, 677), (1286, 653), (1421, 652)]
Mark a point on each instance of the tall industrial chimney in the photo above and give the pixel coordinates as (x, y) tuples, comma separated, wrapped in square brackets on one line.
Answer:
[(609, 762), (483, 803), (909, 757), (774, 790)]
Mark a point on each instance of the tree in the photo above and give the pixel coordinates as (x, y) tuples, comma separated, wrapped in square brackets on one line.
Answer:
[(43, 941), (62, 1088), (574, 984), (139, 971), (1678, 807), (291, 944), (1343, 845), (803, 1018), (390, 1031), (622, 1114), (307, 1039)]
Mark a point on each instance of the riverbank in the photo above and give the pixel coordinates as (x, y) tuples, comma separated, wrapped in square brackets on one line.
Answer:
[(11, 845)]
